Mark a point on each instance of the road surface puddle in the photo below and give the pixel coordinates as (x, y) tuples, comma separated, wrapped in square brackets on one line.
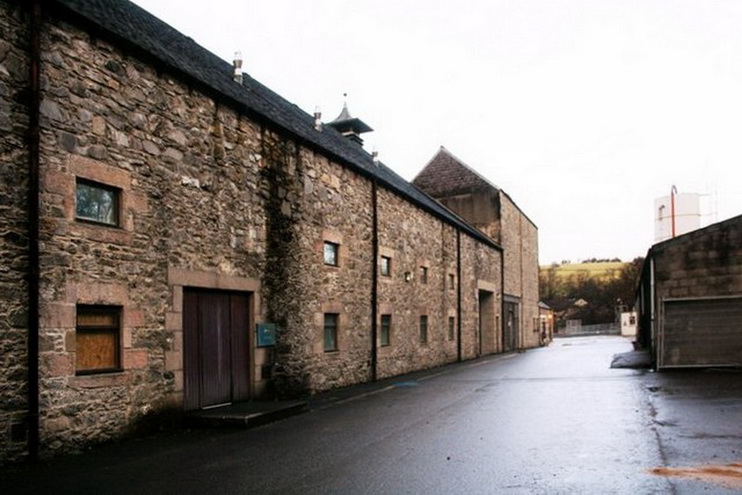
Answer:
[(729, 475)]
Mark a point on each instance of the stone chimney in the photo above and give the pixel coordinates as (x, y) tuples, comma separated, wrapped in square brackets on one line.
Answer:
[(237, 65)]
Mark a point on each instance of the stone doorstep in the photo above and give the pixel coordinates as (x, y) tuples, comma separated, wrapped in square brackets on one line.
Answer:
[(245, 414)]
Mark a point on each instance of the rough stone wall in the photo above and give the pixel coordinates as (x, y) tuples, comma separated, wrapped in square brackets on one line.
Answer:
[(480, 270), (189, 171), (413, 238), (531, 315), (14, 117), (209, 199), (480, 208), (705, 263), (336, 206), (520, 242)]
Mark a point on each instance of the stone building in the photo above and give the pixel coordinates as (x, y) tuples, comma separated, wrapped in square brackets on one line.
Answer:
[(491, 210), (175, 235), (689, 299)]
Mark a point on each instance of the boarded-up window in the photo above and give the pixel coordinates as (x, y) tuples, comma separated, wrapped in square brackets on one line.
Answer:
[(97, 339)]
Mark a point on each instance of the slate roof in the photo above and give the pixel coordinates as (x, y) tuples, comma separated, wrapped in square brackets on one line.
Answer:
[(129, 25), (445, 175)]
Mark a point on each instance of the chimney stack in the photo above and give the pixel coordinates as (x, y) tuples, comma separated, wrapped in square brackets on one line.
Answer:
[(237, 64), (317, 119)]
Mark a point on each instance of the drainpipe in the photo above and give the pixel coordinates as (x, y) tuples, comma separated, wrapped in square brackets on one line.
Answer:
[(374, 278), (33, 232), (458, 296), (654, 337), (502, 301), (673, 192)]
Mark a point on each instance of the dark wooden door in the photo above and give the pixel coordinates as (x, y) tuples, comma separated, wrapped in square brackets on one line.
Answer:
[(510, 327), (215, 342)]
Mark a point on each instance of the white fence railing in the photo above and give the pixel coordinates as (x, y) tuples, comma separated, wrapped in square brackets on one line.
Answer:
[(574, 327)]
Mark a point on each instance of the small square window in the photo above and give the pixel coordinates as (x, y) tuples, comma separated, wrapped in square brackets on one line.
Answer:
[(97, 203), (97, 339), (386, 266), (423, 274), (423, 329), (451, 327), (451, 281), (386, 330), (331, 332), (332, 251)]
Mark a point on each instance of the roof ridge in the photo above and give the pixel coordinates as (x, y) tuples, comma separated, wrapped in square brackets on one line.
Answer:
[(138, 29), (469, 168)]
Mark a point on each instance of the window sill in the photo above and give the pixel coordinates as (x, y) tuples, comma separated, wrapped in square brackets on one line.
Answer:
[(101, 380), (102, 232)]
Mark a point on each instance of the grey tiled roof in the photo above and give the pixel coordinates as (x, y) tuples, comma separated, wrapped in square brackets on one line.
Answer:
[(446, 175), (125, 23)]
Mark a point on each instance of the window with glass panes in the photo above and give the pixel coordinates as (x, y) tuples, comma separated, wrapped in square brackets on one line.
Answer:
[(331, 253), (386, 266), (386, 329), (331, 332), (96, 202), (423, 328)]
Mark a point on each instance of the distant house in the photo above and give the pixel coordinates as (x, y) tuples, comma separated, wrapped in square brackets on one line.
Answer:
[(689, 299), (628, 323), (546, 318)]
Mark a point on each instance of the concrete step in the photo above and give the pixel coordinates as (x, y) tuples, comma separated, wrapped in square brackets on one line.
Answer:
[(245, 414)]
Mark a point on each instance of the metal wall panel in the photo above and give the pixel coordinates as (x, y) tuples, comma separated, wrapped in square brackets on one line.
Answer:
[(701, 332)]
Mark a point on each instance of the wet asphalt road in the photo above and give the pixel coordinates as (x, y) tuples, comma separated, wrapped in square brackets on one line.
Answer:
[(551, 420)]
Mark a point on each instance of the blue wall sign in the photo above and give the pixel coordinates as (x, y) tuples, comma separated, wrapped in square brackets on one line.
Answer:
[(266, 334)]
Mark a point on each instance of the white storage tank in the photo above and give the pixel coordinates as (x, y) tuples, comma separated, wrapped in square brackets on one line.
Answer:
[(687, 215)]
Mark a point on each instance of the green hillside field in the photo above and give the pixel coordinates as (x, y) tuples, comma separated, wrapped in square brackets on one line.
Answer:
[(602, 270)]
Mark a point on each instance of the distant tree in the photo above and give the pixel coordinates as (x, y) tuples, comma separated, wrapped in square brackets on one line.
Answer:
[(548, 281), (601, 292), (623, 286)]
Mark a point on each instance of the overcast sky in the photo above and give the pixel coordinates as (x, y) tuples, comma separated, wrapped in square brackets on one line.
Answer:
[(584, 112)]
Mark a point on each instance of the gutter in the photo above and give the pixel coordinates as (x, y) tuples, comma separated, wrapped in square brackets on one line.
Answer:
[(33, 230)]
